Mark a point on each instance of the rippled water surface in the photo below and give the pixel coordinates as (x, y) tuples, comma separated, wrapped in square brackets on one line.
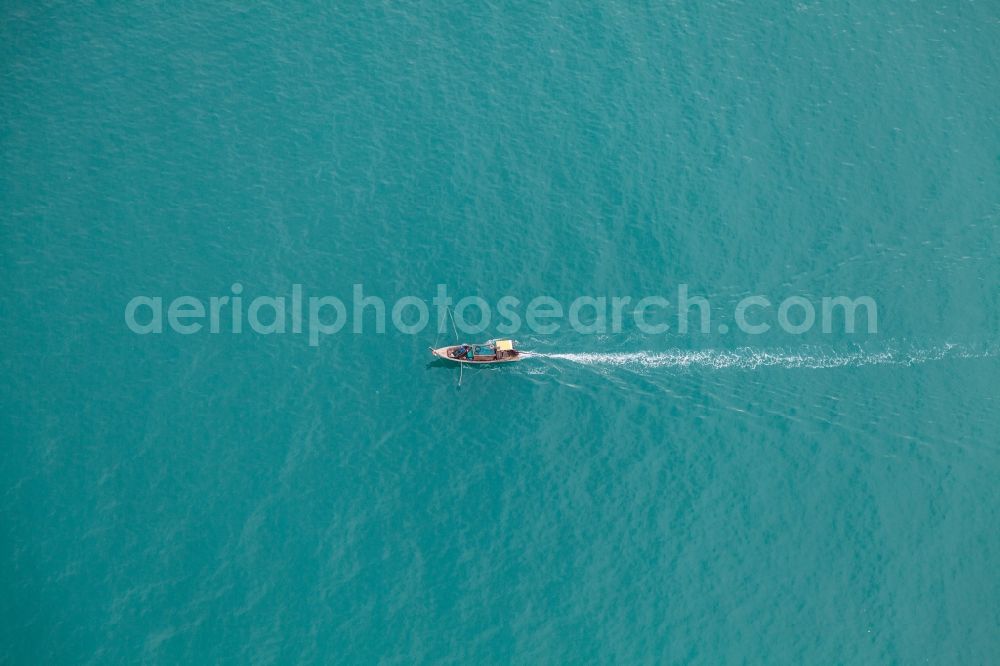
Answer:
[(620, 497)]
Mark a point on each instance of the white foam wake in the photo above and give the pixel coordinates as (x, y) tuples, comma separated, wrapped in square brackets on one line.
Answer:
[(749, 358)]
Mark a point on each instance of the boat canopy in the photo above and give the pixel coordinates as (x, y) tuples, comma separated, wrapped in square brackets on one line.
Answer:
[(505, 345)]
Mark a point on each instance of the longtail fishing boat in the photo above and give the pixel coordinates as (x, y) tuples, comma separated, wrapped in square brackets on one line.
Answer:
[(492, 351)]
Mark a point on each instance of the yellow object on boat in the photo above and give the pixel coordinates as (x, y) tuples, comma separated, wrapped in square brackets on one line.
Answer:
[(505, 345)]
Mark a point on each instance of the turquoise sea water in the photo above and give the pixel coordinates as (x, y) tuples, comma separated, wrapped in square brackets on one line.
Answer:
[(707, 498)]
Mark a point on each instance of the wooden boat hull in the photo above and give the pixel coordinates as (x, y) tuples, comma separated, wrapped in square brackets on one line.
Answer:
[(443, 353)]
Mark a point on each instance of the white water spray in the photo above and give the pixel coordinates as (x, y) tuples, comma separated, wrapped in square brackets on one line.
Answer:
[(748, 358)]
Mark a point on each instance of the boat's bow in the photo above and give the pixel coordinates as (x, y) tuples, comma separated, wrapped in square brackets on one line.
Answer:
[(442, 352)]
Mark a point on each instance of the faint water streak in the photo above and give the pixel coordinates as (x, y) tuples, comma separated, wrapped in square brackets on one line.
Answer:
[(747, 358)]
